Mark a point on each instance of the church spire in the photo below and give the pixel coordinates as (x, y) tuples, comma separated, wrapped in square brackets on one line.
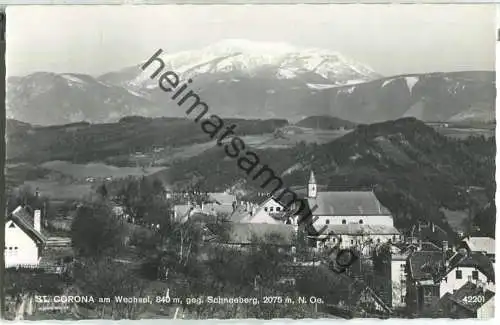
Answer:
[(312, 190), (312, 179)]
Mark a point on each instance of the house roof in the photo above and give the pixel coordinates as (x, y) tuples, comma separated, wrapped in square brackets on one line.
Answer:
[(476, 260), (244, 233), (181, 210), (184, 210), (422, 263), (469, 289), (481, 244), (239, 214), (358, 229), (217, 208), (21, 217), (260, 213), (347, 204), (430, 233), (222, 198)]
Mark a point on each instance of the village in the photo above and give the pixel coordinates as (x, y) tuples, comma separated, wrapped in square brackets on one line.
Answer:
[(422, 273)]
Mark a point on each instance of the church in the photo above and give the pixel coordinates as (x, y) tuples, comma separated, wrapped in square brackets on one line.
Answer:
[(348, 218)]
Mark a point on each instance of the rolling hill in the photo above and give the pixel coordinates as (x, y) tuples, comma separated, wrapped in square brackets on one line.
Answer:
[(414, 170)]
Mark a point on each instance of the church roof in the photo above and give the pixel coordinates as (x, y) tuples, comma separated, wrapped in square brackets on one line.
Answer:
[(312, 179), (346, 204)]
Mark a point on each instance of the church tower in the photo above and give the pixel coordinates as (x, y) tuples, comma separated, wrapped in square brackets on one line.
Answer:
[(312, 190)]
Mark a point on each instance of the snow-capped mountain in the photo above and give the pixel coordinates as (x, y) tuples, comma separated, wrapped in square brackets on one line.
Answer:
[(234, 58), (454, 97)]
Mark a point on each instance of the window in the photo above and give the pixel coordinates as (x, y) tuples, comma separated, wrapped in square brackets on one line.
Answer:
[(278, 208), (343, 221), (458, 274), (271, 209), (475, 275), (265, 209), (12, 225), (378, 240), (361, 221), (352, 241), (327, 221)]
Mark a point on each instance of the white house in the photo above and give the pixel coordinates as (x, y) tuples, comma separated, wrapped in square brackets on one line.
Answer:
[(271, 205), (475, 268), (24, 240), (364, 237)]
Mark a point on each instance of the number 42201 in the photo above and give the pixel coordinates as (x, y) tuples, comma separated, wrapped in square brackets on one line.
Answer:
[(473, 299)]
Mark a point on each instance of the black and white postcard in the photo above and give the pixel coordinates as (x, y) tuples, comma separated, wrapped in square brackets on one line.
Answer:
[(263, 161)]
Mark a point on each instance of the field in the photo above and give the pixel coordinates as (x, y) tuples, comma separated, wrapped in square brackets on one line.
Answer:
[(60, 190), (97, 170), (463, 133), (290, 136), (287, 138)]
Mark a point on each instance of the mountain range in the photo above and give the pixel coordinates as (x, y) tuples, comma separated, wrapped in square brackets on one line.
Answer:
[(246, 79)]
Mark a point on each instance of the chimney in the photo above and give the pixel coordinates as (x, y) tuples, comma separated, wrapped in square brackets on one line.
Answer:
[(433, 229), (445, 246), (420, 244), (37, 221)]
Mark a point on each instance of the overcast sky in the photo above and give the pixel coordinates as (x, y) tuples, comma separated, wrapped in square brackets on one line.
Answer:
[(391, 39)]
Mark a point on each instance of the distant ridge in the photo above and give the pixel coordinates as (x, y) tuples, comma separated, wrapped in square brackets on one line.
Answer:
[(325, 122)]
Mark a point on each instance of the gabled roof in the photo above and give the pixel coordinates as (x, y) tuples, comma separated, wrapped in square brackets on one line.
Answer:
[(481, 244), (469, 289), (22, 218), (476, 260), (239, 214), (423, 263), (221, 198), (362, 203)]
